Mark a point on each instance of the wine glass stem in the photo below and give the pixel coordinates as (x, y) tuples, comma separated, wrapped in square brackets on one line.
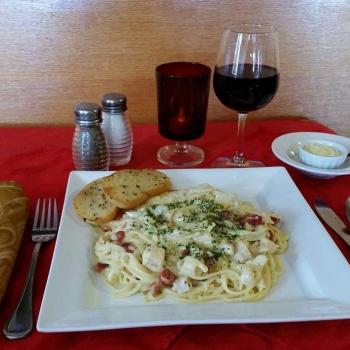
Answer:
[(181, 147), (239, 157)]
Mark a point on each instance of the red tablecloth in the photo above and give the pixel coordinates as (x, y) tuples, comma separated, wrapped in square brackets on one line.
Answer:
[(40, 159)]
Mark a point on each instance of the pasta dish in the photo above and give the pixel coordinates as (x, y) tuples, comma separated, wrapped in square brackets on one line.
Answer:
[(197, 245)]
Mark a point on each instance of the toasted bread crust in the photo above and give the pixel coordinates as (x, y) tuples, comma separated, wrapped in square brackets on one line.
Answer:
[(130, 188), (93, 206)]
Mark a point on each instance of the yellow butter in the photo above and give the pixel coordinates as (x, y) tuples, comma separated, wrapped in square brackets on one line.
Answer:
[(321, 150)]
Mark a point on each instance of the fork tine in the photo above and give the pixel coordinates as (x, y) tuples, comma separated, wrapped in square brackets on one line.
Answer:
[(42, 221), (48, 219), (36, 216), (55, 215)]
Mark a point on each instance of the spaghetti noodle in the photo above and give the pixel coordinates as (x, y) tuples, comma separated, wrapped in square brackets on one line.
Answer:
[(197, 245)]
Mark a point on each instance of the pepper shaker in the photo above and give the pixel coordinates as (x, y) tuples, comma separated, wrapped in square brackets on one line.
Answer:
[(116, 127), (89, 147)]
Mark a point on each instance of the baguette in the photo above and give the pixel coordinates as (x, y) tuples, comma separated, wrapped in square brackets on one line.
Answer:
[(130, 188), (93, 206)]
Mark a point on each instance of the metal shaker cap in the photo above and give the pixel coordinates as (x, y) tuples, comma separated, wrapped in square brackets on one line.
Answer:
[(114, 102), (87, 112)]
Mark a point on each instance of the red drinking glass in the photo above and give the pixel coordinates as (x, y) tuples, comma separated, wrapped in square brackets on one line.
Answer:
[(182, 96)]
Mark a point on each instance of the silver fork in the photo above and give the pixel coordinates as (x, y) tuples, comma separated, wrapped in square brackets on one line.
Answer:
[(44, 229)]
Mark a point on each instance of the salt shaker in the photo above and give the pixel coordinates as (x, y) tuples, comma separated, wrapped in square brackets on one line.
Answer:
[(89, 147), (116, 127)]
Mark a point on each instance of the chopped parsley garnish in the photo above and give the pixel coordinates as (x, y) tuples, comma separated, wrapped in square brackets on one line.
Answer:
[(201, 214), (194, 250)]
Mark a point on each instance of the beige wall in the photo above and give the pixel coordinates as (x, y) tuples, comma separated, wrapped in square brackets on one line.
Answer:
[(55, 53)]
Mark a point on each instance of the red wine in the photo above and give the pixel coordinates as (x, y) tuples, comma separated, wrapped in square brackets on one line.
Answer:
[(182, 93), (245, 87)]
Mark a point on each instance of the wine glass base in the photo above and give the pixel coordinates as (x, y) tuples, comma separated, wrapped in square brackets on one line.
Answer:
[(186, 156), (225, 162)]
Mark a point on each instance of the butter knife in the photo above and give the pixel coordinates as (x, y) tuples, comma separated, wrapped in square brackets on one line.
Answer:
[(332, 220)]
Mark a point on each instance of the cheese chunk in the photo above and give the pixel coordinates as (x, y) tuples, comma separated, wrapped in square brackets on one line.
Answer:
[(191, 267), (153, 258), (182, 285)]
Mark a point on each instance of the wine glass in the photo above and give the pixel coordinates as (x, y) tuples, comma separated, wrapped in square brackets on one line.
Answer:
[(246, 78), (182, 96)]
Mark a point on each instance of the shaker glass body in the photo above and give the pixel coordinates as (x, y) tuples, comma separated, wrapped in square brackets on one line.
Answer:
[(89, 147), (117, 129)]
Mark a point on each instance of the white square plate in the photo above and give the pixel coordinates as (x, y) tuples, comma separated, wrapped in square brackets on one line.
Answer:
[(314, 286)]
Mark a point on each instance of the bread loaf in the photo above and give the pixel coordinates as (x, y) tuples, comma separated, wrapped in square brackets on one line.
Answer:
[(93, 206), (130, 188)]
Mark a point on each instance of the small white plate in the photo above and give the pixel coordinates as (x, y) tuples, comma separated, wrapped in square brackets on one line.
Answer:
[(285, 148), (310, 287)]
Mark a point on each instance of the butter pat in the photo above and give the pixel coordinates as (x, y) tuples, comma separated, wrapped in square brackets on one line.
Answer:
[(322, 149)]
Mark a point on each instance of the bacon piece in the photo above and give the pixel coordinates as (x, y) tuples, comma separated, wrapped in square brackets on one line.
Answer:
[(129, 248), (184, 252), (210, 262), (275, 220), (120, 235), (119, 214), (167, 277), (100, 266), (251, 219), (271, 237), (154, 288)]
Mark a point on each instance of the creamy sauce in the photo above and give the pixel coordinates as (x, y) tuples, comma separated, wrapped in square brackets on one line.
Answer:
[(322, 150), (196, 244)]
